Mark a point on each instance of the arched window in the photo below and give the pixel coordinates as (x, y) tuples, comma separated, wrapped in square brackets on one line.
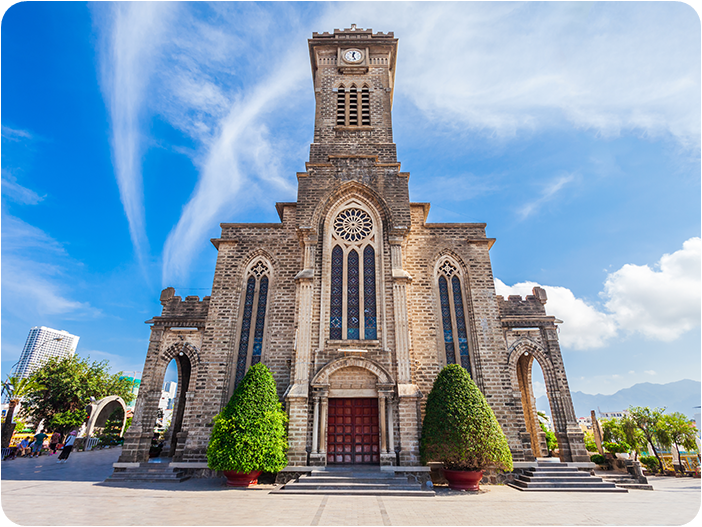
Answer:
[(352, 308), (453, 317), (347, 106), (253, 317)]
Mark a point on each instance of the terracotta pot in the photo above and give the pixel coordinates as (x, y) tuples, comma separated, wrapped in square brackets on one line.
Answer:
[(464, 479), (241, 479)]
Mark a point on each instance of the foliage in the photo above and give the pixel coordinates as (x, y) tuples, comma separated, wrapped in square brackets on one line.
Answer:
[(110, 434), (69, 383), (624, 432), (249, 433), (651, 424), (64, 422), (598, 459), (616, 448), (551, 441), (650, 462), (15, 388), (127, 424), (681, 431), (460, 429), (590, 443)]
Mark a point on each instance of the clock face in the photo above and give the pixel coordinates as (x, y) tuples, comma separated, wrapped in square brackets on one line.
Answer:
[(353, 55)]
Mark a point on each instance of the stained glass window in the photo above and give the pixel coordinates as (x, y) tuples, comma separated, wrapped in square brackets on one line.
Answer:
[(260, 321), (369, 318), (336, 311), (245, 330), (352, 296), (460, 323), (446, 319)]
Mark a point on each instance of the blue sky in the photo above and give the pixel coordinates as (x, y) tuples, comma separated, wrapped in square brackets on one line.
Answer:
[(130, 131)]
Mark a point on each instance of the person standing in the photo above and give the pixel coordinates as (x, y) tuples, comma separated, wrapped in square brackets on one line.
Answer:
[(67, 447), (53, 442), (38, 443)]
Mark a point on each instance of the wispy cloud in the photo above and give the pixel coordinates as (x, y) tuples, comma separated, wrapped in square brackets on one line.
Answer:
[(547, 194), (17, 192), (128, 59), (35, 268)]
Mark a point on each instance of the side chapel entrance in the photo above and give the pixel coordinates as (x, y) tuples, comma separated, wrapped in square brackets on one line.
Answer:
[(353, 432)]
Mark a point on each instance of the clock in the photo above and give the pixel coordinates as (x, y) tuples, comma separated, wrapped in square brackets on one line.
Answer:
[(353, 55)]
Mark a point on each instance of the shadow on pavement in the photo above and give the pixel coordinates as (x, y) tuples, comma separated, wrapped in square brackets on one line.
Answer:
[(95, 466)]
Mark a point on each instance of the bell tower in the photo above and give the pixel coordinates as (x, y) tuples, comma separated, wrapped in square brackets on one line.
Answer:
[(353, 72)]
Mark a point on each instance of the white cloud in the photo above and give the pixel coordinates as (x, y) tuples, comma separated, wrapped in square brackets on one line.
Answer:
[(650, 372), (17, 192), (506, 68), (34, 274), (128, 59), (547, 194), (659, 304), (583, 327)]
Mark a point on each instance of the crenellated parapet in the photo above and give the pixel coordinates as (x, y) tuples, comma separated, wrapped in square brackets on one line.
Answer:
[(178, 312)]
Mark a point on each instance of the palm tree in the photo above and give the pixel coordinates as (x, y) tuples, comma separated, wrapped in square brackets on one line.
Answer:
[(15, 388)]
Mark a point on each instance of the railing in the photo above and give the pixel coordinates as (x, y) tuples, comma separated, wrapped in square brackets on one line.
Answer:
[(6, 452), (91, 442)]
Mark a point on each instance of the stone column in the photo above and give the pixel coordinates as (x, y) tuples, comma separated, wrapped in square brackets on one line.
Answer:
[(137, 439), (318, 456), (387, 441), (297, 393), (391, 428), (323, 426), (383, 427), (400, 279), (315, 427)]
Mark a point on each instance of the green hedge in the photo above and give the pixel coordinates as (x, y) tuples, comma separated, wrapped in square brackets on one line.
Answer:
[(249, 434), (460, 429)]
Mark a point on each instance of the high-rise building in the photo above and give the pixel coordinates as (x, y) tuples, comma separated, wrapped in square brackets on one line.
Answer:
[(43, 344)]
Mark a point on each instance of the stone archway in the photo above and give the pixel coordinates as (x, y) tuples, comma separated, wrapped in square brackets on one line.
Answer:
[(102, 409), (568, 434), (353, 385)]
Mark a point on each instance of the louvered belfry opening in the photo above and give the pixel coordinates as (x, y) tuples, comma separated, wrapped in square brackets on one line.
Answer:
[(365, 106), (347, 106)]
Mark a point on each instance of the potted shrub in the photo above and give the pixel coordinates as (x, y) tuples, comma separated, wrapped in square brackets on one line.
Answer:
[(461, 431), (248, 436)]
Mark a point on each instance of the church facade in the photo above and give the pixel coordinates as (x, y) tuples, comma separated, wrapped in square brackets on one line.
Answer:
[(353, 301)]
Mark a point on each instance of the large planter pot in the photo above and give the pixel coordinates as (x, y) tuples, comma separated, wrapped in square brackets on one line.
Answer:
[(241, 479), (463, 479)]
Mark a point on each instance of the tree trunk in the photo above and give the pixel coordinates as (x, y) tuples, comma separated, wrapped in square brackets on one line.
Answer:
[(655, 453), (8, 427)]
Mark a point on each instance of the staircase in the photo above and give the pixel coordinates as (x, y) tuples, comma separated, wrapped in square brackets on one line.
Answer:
[(149, 472), (559, 477), (625, 481), (354, 481)]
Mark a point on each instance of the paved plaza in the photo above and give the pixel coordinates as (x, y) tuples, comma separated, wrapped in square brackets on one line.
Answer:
[(41, 492)]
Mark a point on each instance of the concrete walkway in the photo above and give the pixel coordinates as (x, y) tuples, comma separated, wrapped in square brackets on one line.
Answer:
[(41, 492)]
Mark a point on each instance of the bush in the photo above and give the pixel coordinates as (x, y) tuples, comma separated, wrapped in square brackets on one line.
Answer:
[(249, 434), (460, 429), (616, 448), (599, 459), (650, 462)]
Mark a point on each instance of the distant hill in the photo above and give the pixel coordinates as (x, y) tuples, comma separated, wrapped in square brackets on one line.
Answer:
[(679, 396)]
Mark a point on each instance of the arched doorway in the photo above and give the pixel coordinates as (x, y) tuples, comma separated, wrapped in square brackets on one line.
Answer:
[(528, 373), (172, 410)]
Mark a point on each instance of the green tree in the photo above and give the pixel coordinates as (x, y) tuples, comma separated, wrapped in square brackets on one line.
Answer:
[(651, 424), (460, 429), (69, 384), (681, 432), (249, 433), (632, 435), (590, 444), (16, 388), (551, 441)]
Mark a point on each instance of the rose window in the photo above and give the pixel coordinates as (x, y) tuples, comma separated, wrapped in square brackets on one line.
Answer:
[(353, 225)]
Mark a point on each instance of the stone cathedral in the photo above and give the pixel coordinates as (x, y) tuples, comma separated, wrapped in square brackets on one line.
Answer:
[(353, 301)]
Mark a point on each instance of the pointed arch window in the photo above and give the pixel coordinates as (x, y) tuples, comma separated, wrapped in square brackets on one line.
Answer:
[(352, 107), (253, 317), (352, 308), (453, 317)]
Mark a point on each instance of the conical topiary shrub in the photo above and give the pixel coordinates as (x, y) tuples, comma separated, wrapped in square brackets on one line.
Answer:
[(460, 429), (249, 433)]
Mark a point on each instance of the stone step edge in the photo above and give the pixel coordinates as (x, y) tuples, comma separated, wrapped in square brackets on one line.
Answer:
[(357, 492), (570, 489)]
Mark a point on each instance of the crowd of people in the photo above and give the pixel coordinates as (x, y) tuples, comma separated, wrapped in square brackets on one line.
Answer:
[(42, 441)]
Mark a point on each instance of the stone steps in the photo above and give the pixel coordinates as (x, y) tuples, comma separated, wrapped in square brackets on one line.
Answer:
[(559, 477), (149, 472), (350, 482), (625, 481)]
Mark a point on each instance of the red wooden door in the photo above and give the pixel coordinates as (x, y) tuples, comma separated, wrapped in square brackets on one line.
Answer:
[(353, 434)]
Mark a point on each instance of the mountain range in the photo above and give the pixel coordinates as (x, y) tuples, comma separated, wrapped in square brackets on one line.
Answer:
[(679, 396)]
